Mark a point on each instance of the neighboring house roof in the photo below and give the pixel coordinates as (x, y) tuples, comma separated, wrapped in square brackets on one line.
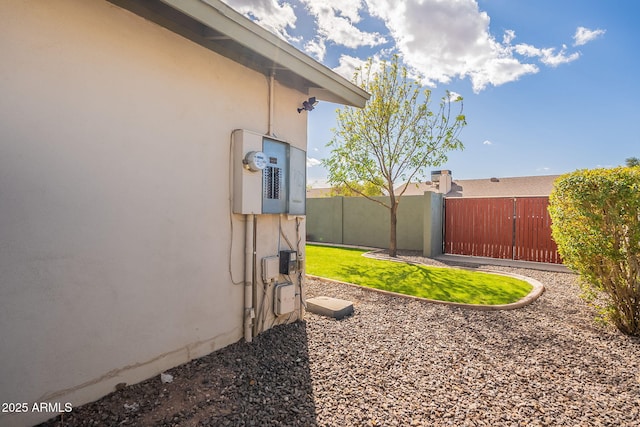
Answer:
[(220, 28), (490, 187)]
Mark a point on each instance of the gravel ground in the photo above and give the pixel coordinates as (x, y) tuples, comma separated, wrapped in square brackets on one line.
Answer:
[(399, 362)]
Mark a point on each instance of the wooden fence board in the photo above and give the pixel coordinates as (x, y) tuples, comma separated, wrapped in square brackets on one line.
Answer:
[(533, 241), (479, 227), (502, 227)]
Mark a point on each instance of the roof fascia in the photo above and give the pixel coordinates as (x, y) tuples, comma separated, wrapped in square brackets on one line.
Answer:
[(329, 86)]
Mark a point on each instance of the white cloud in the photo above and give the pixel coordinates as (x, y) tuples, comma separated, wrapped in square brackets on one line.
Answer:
[(316, 48), (498, 71), (487, 142), (508, 36), (548, 56), (350, 9), (584, 35), (438, 40), (554, 60), (269, 14), (313, 162), (449, 39), (336, 19), (348, 65), (454, 96)]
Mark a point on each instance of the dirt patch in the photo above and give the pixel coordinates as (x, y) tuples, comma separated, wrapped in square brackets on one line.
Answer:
[(266, 382)]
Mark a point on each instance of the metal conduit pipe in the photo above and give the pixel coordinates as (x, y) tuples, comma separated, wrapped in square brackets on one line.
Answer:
[(300, 266), (254, 277), (272, 78), (248, 277)]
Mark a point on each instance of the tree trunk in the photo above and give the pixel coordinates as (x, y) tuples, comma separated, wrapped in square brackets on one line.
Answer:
[(393, 217)]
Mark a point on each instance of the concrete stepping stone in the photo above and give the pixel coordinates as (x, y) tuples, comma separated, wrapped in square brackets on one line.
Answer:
[(330, 307)]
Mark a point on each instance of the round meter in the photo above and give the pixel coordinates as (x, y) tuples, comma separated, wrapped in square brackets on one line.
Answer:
[(255, 161)]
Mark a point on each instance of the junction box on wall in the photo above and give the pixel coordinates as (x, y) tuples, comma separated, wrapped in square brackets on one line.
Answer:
[(269, 175), (288, 262), (285, 298)]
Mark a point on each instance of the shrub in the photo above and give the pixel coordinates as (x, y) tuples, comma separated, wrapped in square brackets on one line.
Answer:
[(596, 225)]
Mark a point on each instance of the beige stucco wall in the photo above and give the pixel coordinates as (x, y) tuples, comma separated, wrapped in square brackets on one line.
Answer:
[(117, 254)]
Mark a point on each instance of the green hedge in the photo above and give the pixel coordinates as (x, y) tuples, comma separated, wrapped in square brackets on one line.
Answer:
[(596, 224)]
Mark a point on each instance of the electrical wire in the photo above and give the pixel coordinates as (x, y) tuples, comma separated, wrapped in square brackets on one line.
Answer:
[(303, 303), (282, 233), (262, 313)]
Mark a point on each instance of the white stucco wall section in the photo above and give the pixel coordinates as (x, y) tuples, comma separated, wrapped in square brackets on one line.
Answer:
[(115, 239)]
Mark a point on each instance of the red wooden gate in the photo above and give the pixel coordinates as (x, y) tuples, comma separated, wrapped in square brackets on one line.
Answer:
[(503, 227)]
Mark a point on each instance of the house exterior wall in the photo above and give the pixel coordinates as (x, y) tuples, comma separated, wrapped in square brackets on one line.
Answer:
[(119, 254)]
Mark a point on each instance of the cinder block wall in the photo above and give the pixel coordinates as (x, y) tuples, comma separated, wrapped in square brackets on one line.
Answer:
[(433, 204), (324, 220), (362, 222)]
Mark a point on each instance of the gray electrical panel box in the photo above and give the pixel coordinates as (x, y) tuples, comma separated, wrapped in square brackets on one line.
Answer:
[(269, 175), (275, 179)]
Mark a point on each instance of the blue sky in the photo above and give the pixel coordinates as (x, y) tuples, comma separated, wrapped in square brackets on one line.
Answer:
[(549, 86)]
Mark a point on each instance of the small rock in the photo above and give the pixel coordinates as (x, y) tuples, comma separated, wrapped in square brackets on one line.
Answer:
[(132, 407)]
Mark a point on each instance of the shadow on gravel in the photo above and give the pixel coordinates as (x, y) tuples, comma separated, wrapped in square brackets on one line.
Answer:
[(265, 383)]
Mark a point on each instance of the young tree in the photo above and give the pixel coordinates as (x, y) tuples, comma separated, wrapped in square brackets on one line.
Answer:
[(632, 162), (596, 223), (356, 189), (394, 138)]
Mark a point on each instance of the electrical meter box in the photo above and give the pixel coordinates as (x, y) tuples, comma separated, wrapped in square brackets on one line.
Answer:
[(269, 175)]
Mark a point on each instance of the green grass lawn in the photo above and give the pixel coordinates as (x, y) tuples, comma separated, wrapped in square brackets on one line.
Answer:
[(436, 283)]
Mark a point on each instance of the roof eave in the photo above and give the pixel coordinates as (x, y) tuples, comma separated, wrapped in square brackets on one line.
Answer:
[(326, 84)]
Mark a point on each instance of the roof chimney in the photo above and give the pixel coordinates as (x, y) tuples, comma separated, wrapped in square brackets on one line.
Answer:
[(442, 180)]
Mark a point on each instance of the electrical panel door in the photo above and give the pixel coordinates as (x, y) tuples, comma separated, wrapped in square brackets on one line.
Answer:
[(274, 177), (297, 181)]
